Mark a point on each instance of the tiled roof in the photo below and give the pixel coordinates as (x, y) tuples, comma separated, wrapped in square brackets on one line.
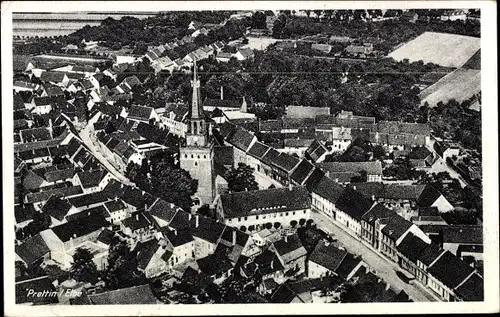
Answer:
[(463, 234), (353, 203), (145, 252), (378, 211), (36, 134), (136, 295), (55, 77), (306, 112), (290, 245), (411, 246), (115, 205), (472, 290), (301, 172), (57, 207), (242, 139), (140, 112), (214, 264), (371, 168), (395, 227), (89, 199), (90, 179), (80, 227), (32, 249), (328, 189), (37, 284), (446, 264), (61, 192), (327, 255), (286, 162), (163, 210), (136, 221), (265, 201), (431, 253), (106, 236), (177, 237)]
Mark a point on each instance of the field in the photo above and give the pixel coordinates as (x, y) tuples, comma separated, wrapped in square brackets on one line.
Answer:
[(448, 50), (259, 43), (459, 85), (474, 62)]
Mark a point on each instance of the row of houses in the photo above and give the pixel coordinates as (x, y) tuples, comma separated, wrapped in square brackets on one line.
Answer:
[(369, 220)]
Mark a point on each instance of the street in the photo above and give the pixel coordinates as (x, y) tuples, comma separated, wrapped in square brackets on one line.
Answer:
[(384, 268), (85, 136)]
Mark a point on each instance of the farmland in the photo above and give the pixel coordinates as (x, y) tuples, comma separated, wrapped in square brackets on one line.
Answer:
[(448, 50), (460, 85)]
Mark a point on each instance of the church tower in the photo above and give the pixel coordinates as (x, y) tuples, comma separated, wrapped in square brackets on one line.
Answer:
[(197, 154)]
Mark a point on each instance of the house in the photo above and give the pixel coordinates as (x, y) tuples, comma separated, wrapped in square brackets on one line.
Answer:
[(265, 237), (151, 258), (181, 245), (135, 295), (117, 211), (327, 259), (217, 266), (32, 251), (360, 50), (142, 114), (291, 254), (252, 210), (421, 158), (317, 152), (343, 172), (163, 63), (392, 230), (442, 282), (463, 241), (268, 265), (42, 284), (349, 209), (174, 119), (300, 112), (340, 39), (223, 57), (408, 251), (58, 208), (57, 78), (24, 86), (454, 15), (324, 195), (92, 181), (368, 220), (446, 150), (324, 48), (64, 239), (244, 54), (406, 199), (138, 227)]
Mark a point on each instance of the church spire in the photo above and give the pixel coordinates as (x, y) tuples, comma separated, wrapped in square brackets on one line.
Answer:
[(196, 100)]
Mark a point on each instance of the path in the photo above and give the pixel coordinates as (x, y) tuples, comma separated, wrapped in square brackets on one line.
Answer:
[(383, 267)]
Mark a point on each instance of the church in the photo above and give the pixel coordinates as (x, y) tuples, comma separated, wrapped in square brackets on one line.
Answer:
[(196, 155)]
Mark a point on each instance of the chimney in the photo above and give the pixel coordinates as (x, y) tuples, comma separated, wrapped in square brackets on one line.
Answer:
[(286, 238), (197, 221), (137, 217), (373, 197), (354, 187), (272, 264), (74, 235), (221, 93), (189, 217), (290, 187), (234, 237), (174, 230)]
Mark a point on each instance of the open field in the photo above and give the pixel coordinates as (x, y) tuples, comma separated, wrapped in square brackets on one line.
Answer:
[(259, 43), (459, 85), (474, 62), (448, 50)]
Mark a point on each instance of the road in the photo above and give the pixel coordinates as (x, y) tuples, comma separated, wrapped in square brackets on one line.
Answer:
[(87, 140), (383, 267)]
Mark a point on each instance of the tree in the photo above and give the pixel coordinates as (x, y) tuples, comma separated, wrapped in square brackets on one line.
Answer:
[(241, 179), (302, 221), (83, 268), (121, 270), (244, 229), (277, 225), (269, 225), (293, 223), (251, 228), (161, 175)]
